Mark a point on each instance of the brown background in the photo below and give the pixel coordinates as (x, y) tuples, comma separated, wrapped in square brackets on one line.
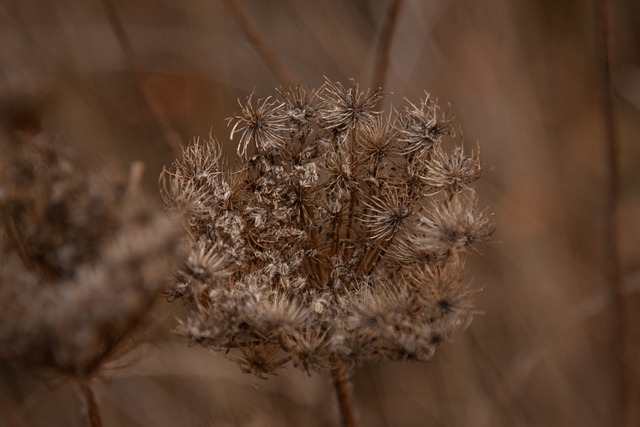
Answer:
[(523, 81)]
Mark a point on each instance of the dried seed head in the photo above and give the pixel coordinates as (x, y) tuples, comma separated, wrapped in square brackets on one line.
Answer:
[(345, 238), (378, 145), (452, 173), (386, 214), (264, 125), (449, 228), (344, 109), (423, 127), (300, 107)]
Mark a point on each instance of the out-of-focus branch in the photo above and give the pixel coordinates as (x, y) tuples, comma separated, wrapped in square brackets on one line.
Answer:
[(159, 115), (267, 53), (8, 415), (613, 275), (384, 44)]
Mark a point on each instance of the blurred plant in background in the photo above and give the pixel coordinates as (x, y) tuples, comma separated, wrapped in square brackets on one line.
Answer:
[(83, 256)]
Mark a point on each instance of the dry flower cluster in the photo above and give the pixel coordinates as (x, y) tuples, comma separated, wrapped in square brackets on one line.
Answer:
[(341, 235), (82, 257)]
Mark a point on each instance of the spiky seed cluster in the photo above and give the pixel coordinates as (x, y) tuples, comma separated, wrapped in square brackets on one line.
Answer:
[(342, 233), (82, 258)]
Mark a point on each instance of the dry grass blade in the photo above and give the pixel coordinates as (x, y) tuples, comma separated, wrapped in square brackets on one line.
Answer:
[(613, 273), (381, 66)]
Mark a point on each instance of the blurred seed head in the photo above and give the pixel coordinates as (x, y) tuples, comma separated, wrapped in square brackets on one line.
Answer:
[(83, 257)]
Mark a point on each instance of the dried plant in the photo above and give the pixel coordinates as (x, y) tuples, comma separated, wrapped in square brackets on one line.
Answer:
[(83, 258), (339, 240)]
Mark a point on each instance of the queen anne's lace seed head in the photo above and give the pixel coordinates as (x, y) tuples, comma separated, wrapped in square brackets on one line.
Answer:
[(345, 237)]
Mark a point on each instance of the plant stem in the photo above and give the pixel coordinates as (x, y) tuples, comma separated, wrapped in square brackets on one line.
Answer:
[(384, 45), (343, 392), (8, 414), (613, 268), (92, 406), (158, 113), (265, 50)]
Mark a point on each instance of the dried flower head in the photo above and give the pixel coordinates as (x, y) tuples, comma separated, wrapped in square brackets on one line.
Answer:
[(423, 126), (345, 109), (82, 257), (265, 125), (345, 239)]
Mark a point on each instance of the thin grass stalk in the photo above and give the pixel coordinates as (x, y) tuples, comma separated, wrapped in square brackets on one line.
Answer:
[(384, 45), (343, 392), (159, 115), (619, 326), (265, 50)]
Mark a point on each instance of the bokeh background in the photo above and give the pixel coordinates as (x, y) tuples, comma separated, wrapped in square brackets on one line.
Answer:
[(524, 82)]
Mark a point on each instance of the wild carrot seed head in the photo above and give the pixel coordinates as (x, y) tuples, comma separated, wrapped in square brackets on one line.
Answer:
[(345, 237)]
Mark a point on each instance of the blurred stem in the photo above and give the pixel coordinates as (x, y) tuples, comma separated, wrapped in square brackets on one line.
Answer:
[(343, 392), (92, 406), (8, 414), (613, 274), (267, 53), (159, 115), (384, 45)]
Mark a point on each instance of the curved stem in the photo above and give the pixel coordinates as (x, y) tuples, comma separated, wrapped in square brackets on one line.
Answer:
[(343, 392)]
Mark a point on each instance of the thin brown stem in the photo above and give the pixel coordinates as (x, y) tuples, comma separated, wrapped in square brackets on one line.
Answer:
[(368, 264), (384, 45), (92, 406), (343, 392), (265, 50), (352, 197), (613, 193), (155, 108)]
